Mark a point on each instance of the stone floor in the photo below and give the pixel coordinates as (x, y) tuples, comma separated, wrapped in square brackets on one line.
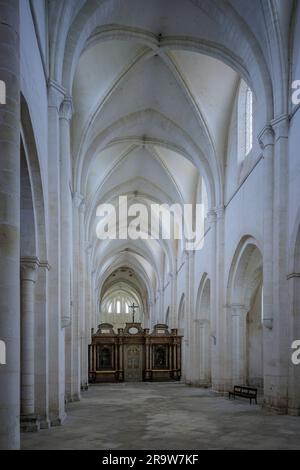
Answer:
[(165, 416)]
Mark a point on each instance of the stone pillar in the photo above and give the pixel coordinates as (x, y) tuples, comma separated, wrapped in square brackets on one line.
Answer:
[(78, 303), (86, 320), (66, 214), (173, 319), (219, 368), (156, 317), (281, 345), (29, 422), (161, 305), (10, 225), (65, 114), (212, 220), (56, 345), (81, 290), (266, 140), (294, 334), (239, 344), (189, 314), (195, 351), (41, 365), (273, 141), (201, 356)]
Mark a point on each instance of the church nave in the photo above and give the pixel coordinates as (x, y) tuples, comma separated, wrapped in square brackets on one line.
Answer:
[(149, 223), (167, 416)]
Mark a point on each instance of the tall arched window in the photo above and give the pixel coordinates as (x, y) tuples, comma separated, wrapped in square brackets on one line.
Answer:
[(245, 120), (249, 120)]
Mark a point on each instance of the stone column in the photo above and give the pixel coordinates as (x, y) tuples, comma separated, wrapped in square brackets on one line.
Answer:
[(239, 344), (66, 242), (202, 352), (294, 334), (266, 140), (80, 287), (189, 314), (281, 346), (10, 225), (212, 220), (273, 141), (29, 422), (56, 345), (65, 114), (78, 304), (173, 319), (219, 369), (195, 351), (86, 325), (41, 363)]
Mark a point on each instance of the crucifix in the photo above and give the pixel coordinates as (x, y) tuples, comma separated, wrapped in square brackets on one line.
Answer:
[(133, 306)]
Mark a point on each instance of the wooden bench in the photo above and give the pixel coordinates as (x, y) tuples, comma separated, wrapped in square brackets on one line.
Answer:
[(244, 392)]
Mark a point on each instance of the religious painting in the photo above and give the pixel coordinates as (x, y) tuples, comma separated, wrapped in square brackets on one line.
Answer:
[(105, 357), (160, 356)]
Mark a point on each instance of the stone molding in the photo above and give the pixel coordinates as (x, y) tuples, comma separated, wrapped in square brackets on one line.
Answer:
[(266, 137), (280, 126), (29, 267), (79, 201), (293, 276), (238, 310), (56, 94), (66, 109)]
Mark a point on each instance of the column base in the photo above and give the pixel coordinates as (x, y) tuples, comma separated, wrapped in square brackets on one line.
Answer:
[(294, 411), (73, 398), (200, 383), (29, 423), (44, 423), (275, 405), (84, 387), (58, 421)]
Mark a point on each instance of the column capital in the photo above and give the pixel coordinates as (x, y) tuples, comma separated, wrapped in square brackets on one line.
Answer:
[(189, 254), (66, 109), (173, 275), (56, 94), (293, 276), (44, 264), (78, 200), (266, 137), (280, 126), (212, 216), (88, 248), (202, 322), (238, 310), (268, 323), (219, 210), (29, 267)]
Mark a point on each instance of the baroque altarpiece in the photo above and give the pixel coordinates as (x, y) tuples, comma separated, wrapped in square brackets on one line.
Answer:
[(134, 354)]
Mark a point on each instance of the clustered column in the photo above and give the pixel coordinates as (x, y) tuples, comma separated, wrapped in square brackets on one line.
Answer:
[(239, 337), (10, 225), (28, 279)]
